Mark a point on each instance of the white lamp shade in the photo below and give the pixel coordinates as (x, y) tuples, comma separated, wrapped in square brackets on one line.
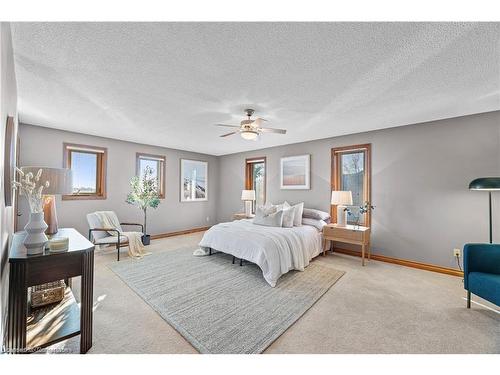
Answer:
[(248, 195), (341, 198), (60, 179)]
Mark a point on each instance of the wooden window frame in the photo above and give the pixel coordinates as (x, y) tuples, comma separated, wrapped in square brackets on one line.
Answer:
[(162, 159), (335, 176), (249, 179), (102, 159)]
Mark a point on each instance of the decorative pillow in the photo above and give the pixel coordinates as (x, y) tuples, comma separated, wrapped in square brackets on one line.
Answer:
[(267, 209), (272, 220), (299, 208), (316, 214), (281, 206), (318, 224), (288, 217)]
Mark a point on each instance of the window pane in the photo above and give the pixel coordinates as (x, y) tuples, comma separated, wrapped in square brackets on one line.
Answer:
[(84, 167), (352, 179), (258, 176), (153, 164)]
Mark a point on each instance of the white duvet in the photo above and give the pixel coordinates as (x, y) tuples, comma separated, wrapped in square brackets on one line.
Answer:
[(275, 250)]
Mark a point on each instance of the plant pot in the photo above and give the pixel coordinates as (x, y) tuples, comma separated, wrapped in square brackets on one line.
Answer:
[(35, 239), (146, 239)]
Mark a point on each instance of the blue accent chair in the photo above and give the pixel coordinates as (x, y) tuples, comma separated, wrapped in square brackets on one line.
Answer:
[(482, 271)]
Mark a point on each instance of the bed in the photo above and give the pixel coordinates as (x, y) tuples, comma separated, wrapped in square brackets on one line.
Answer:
[(275, 250)]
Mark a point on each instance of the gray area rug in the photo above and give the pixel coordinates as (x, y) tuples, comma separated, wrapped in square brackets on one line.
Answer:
[(221, 307)]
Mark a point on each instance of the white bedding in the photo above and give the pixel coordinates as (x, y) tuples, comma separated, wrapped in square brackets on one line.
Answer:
[(275, 250)]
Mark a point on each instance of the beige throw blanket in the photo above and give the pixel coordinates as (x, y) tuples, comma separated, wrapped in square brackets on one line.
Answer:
[(135, 246)]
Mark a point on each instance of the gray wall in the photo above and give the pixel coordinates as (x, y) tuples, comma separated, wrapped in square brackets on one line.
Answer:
[(44, 147), (8, 107), (420, 175)]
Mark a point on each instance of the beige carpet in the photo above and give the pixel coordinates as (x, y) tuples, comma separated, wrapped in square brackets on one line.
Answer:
[(380, 308)]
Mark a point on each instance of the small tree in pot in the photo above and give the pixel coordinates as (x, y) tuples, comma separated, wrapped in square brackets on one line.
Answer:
[(144, 194)]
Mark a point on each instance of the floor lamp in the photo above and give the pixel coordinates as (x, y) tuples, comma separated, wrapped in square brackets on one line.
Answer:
[(488, 184)]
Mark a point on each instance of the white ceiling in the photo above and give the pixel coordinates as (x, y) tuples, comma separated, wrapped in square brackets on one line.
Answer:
[(166, 84)]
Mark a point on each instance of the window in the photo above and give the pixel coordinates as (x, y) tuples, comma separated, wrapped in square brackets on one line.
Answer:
[(157, 165), (255, 179), (351, 171), (88, 164)]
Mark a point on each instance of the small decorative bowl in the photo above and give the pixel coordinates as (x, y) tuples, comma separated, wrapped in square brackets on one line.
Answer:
[(58, 244)]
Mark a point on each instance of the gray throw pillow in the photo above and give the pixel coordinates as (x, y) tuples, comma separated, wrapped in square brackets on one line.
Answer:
[(288, 217), (311, 213), (272, 220), (318, 224)]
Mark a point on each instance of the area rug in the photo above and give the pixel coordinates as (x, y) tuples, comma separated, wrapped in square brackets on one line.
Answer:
[(220, 307)]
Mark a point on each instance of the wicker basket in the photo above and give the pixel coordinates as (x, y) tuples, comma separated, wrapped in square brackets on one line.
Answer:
[(45, 294)]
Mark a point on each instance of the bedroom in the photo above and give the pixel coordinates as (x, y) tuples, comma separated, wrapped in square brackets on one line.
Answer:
[(250, 187)]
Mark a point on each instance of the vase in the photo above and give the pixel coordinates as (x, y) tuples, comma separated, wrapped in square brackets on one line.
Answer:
[(35, 239)]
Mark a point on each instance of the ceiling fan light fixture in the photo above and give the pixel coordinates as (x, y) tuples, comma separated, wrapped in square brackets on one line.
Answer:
[(249, 129), (249, 135)]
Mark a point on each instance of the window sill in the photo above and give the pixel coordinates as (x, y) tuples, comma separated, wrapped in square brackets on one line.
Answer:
[(82, 197)]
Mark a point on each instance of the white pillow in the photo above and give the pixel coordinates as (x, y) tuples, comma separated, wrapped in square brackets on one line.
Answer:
[(272, 220), (281, 206), (288, 217), (299, 208), (267, 209)]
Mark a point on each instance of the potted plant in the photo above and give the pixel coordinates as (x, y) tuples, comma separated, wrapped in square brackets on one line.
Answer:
[(144, 194), (366, 207)]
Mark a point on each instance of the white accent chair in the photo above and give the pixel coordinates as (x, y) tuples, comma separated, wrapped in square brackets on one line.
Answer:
[(101, 236)]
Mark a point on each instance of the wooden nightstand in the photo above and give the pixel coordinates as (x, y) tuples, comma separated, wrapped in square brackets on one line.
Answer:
[(356, 235), (242, 215)]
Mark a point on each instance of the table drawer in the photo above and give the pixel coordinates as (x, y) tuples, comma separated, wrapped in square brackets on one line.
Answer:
[(343, 233)]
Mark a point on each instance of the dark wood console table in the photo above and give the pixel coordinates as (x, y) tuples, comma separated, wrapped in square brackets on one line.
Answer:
[(29, 331)]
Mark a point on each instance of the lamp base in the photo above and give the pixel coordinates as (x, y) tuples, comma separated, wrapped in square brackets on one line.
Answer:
[(49, 213), (248, 208), (341, 216)]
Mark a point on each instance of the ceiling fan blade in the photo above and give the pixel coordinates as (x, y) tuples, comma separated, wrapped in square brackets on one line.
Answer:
[(271, 130), (228, 134), (228, 126)]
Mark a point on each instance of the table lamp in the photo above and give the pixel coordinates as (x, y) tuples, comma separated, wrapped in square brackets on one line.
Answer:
[(60, 182), (488, 184), (341, 199), (248, 196)]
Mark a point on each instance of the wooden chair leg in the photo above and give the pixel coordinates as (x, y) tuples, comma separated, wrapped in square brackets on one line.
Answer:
[(468, 299)]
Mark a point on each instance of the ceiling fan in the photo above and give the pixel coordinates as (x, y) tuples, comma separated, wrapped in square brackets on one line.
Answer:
[(251, 129)]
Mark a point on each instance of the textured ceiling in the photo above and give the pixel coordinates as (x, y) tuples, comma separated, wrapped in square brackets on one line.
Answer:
[(166, 84)]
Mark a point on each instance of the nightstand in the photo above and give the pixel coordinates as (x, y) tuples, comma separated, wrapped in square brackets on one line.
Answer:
[(356, 235), (242, 215)]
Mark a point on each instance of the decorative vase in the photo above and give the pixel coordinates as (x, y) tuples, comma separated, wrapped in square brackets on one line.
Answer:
[(35, 239)]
